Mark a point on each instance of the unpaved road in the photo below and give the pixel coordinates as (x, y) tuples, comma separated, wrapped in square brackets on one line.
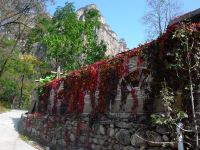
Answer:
[(9, 137)]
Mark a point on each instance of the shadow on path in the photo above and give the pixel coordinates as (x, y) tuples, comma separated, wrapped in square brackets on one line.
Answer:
[(16, 123)]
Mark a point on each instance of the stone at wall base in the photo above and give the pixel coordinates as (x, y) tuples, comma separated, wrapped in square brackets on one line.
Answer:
[(68, 135)]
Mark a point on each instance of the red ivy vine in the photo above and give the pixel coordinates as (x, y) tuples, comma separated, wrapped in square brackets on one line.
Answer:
[(102, 77)]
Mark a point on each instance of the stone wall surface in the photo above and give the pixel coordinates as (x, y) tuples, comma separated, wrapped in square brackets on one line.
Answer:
[(107, 133), (54, 103), (118, 128)]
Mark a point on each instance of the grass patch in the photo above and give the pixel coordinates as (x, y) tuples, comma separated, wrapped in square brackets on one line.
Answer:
[(30, 142), (24, 138)]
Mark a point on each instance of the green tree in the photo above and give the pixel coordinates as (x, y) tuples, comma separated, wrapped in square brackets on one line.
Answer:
[(16, 20), (187, 58), (17, 81), (70, 42), (178, 67), (16, 73)]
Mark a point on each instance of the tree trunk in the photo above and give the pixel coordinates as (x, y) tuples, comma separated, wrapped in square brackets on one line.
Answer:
[(11, 52), (3, 66), (192, 95), (21, 91)]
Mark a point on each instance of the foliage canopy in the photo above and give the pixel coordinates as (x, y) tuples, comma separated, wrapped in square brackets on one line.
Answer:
[(70, 42)]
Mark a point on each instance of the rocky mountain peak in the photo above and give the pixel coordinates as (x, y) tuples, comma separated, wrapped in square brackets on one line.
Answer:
[(105, 33)]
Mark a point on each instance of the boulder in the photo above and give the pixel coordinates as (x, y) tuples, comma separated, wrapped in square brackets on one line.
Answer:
[(130, 148), (123, 136), (165, 138), (123, 125), (154, 137), (110, 132), (72, 137), (102, 130), (136, 141), (162, 130)]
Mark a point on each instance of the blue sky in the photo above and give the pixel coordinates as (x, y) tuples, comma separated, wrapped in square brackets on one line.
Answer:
[(124, 16)]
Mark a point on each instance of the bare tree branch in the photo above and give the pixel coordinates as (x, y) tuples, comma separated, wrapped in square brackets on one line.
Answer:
[(160, 14)]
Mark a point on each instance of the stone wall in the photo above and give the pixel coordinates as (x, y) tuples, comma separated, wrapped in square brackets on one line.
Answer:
[(117, 132), (55, 102), (51, 123)]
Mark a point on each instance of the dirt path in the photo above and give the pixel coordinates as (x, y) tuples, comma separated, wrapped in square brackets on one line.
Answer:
[(9, 137)]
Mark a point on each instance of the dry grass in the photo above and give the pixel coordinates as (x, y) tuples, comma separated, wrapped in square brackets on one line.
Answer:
[(24, 138), (3, 107)]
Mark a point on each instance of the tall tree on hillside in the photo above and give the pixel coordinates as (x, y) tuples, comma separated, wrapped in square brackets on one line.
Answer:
[(70, 42), (17, 12), (16, 19), (160, 13)]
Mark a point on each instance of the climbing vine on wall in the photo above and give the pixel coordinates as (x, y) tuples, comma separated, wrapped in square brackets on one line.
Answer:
[(100, 81), (163, 57)]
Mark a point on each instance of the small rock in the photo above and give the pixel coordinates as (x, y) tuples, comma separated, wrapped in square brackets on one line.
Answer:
[(165, 138), (96, 128), (82, 139), (95, 140), (142, 119), (102, 130), (117, 147), (72, 137), (154, 137), (142, 147), (157, 148), (123, 125), (111, 125), (92, 146), (110, 132), (109, 147), (33, 131), (162, 130), (173, 135), (130, 148), (136, 141), (47, 148), (95, 147), (46, 138), (53, 141), (63, 142), (90, 140), (29, 129), (60, 141), (123, 136), (101, 142)]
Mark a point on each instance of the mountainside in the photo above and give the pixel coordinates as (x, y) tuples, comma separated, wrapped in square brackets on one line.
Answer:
[(105, 33)]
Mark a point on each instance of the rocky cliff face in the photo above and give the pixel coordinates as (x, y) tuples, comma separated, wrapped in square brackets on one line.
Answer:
[(104, 33)]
